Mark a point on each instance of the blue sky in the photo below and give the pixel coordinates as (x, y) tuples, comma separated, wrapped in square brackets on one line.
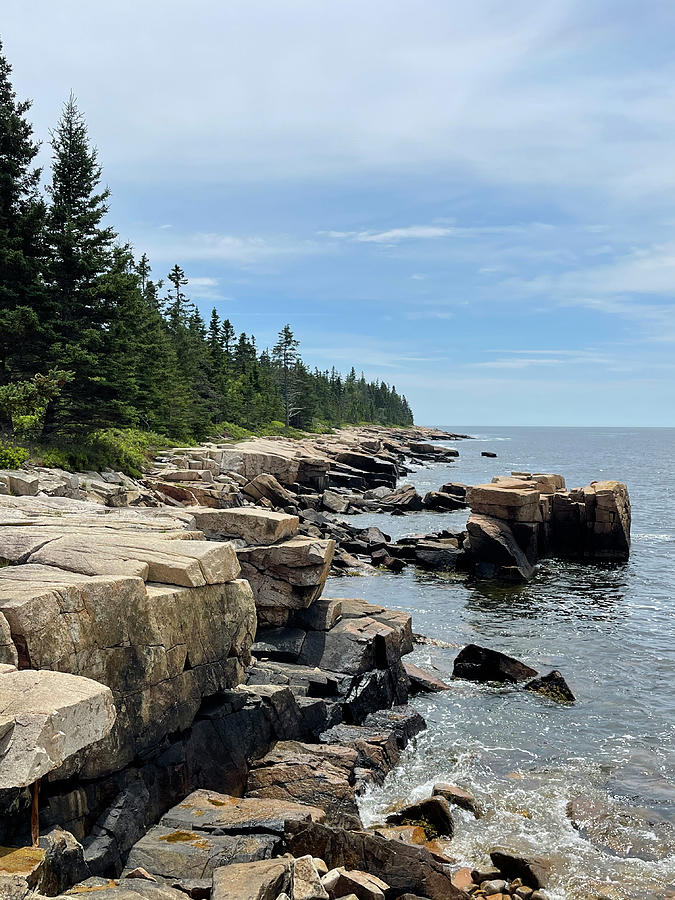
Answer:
[(474, 201)]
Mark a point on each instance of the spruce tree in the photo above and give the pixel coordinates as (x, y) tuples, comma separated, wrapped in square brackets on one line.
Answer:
[(22, 213), (80, 252), (285, 356)]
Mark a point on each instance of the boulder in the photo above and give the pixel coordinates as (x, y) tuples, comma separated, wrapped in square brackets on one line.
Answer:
[(252, 526), (267, 486), (320, 616), (320, 774), (192, 856), (341, 883), (495, 550), (24, 870), (405, 868), (441, 502), (45, 718), (456, 796), (432, 814), (533, 870), (482, 664), (286, 576), (516, 502), (211, 812), (552, 686), (488, 453), (334, 502), (262, 880), (404, 498), (306, 882), (65, 856), (423, 681)]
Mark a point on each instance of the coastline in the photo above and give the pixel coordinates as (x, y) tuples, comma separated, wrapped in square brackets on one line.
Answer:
[(271, 657)]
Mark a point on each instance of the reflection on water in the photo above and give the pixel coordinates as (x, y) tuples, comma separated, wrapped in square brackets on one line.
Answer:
[(609, 629)]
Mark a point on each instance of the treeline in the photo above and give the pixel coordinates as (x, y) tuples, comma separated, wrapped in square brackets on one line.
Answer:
[(90, 340)]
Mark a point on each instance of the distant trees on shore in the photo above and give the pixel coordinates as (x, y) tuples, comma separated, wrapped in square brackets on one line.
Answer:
[(89, 340)]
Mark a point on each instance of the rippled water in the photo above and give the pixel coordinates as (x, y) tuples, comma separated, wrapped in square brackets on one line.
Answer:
[(609, 629)]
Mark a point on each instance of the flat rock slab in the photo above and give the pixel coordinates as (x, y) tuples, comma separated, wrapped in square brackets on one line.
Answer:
[(45, 717), (209, 811), (194, 855), (253, 526), (122, 889), (186, 563)]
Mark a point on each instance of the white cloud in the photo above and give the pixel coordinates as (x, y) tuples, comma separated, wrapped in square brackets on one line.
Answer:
[(518, 94)]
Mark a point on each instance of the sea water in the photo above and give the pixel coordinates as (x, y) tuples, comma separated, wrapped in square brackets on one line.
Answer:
[(608, 628)]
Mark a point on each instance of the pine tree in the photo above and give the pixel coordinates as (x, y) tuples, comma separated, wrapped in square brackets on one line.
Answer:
[(80, 252), (285, 355), (22, 212)]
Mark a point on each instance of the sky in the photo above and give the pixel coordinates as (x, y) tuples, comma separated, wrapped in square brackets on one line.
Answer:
[(472, 201)]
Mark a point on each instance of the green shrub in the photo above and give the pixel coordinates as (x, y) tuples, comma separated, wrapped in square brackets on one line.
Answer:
[(12, 456), (124, 449), (230, 432)]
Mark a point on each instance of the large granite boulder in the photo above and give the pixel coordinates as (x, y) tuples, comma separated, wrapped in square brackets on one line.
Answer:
[(155, 646), (252, 526), (286, 576), (513, 500), (45, 718), (264, 880)]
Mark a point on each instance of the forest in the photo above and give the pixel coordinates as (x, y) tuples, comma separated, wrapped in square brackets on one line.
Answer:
[(99, 359)]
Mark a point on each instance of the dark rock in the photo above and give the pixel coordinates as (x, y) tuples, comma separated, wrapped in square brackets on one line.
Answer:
[(65, 856), (423, 681), (404, 498), (455, 488), (438, 555), (406, 868), (283, 644), (495, 550), (488, 453), (482, 664), (320, 616), (552, 686), (533, 870), (373, 538), (432, 814), (437, 500)]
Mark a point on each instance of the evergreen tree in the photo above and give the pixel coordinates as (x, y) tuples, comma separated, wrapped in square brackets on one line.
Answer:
[(285, 355), (22, 213), (80, 257)]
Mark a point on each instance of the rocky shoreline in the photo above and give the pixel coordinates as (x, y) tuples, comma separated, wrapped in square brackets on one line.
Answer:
[(184, 711)]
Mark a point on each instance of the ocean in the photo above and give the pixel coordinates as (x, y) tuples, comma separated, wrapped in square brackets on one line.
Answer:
[(607, 762)]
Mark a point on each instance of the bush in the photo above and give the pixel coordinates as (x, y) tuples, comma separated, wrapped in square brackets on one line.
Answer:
[(12, 456), (125, 449)]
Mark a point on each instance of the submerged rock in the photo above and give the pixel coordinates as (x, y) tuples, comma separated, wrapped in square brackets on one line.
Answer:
[(476, 663), (432, 814), (533, 870), (552, 686), (456, 796)]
